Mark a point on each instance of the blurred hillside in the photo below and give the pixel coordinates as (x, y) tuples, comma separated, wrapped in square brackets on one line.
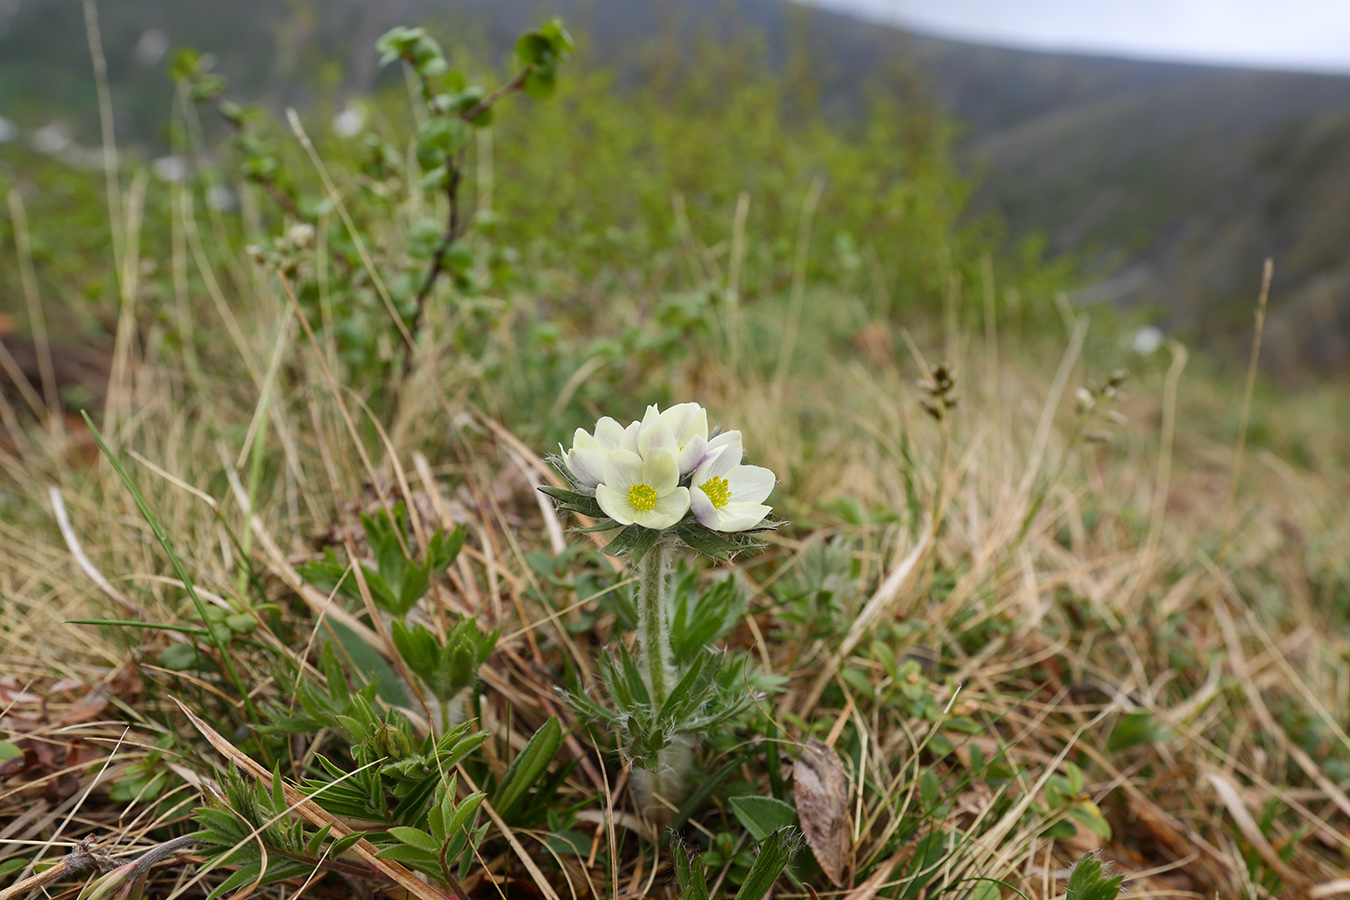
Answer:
[(1171, 183)]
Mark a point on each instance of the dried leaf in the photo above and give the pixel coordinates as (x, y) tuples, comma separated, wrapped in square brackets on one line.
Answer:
[(820, 788), (87, 707)]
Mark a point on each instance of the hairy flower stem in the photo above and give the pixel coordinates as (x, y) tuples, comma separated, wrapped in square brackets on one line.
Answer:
[(653, 571), (662, 783)]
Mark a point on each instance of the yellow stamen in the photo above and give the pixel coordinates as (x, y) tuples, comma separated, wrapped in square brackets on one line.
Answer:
[(642, 497), (718, 491)]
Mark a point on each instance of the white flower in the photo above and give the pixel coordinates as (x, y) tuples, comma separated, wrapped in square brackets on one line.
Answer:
[(725, 495), (643, 489), (682, 430), (587, 457), (1147, 340), (688, 422), (170, 168), (350, 121)]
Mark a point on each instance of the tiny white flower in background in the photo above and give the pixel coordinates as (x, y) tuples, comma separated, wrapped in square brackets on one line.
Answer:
[(725, 495), (688, 422), (350, 122), (220, 197), (8, 130), (643, 489), (586, 459), (152, 46), (1147, 340), (51, 139), (301, 235), (170, 168)]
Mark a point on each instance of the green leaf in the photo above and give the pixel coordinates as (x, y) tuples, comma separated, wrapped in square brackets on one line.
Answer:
[(436, 822), (316, 841), (415, 837), (443, 136), (406, 853), (1135, 728), (464, 813), (242, 876), (343, 844), (762, 816), (413, 586), (443, 548), (532, 48), (573, 842), (1087, 813), (390, 557), (691, 874), (180, 657), (8, 751), (380, 591), (929, 790), (1089, 882), (704, 790), (1076, 780), (364, 658), (698, 618), (987, 889), (531, 763), (774, 855), (1062, 830)]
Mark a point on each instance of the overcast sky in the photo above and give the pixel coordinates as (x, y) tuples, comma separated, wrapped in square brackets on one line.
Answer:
[(1293, 34)]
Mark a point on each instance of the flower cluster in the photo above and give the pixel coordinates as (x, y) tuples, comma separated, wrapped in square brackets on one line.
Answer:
[(655, 472), (663, 484)]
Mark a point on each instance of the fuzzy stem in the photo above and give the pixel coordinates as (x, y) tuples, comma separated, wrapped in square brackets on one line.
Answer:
[(664, 786), (653, 635)]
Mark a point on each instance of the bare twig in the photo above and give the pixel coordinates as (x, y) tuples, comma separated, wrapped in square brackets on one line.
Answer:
[(81, 858), (454, 226)]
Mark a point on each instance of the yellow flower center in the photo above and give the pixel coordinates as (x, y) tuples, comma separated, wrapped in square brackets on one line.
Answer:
[(718, 491), (642, 497)]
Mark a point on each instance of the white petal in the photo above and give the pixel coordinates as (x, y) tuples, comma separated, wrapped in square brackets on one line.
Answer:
[(581, 440), (692, 455), (623, 469), (704, 511), (750, 484), (660, 470), (630, 435), (740, 516), (608, 433), (722, 456), (724, 439), (655, 434), (713, 464), (687, 421), (588, 467), (667, 511), (615, 504)]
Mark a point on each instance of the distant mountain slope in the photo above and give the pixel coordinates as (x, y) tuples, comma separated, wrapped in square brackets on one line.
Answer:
[(1178, 180), (1172, 182)]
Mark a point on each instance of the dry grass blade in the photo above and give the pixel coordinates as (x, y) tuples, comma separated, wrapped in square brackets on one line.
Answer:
[(878, 879), (1242, 817), (82, 560)]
